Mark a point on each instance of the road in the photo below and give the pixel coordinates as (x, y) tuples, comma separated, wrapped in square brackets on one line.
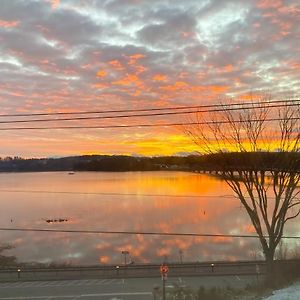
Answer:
[(110, 289), (74, 289), (134, 282)]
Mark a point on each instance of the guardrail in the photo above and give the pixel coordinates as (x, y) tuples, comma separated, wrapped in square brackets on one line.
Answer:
[(214, 268), (133, 270)]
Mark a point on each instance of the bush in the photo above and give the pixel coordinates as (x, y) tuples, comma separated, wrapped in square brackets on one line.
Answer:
[(213, 294)]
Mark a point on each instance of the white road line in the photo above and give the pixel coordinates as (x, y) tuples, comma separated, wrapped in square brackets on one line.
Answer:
[(3, 285), (116, 294), (103, 281), (70, 283), (31, 284), (75, 282), (20, 283), (59, 283), (42, 284), (28, 284), (10, 285), (36, 297), (52, 283), (109, 281), (90, 281), (78, 296)]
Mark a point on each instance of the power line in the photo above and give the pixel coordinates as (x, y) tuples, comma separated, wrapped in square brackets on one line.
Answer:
[(143, 125), (114, 194), (146, 114), (140, 232), (152, 109), (123, 194)]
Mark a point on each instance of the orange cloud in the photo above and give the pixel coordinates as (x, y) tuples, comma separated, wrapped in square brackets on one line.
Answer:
[(9, 24), (159, 77), (54, 3), (86, 66), (183, 75), (187, 34), (116, 65), (183, 86), (179, 243), (163, 252), (218, 88), (295, 65), (104, 259), (99, 86), (250, 96), (17, 94), (140, 69), (101, 73), (226, 69), (285, 28), (45, 61), (129, 79), (133, 58), (178, 85), (269, 4), (289, 10), (249, 228), (137, 56), (137, 93), (222, 240)]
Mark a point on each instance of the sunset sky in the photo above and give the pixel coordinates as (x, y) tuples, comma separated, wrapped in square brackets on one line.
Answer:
[(84, 55)]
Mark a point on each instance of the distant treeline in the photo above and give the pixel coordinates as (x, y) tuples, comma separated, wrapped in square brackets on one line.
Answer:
[(115, 163), (96, 163)]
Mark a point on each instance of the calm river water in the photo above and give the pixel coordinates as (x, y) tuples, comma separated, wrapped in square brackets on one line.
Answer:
[(131, 201)]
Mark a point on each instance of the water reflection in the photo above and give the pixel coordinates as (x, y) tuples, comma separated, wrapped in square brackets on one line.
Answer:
[(132, 201)]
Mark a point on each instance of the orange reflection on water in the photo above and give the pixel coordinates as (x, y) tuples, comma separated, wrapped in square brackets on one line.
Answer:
[(176, 202), (103, 259)]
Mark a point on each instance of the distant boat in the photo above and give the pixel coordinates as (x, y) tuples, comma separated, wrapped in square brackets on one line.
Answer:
[(71, 173)]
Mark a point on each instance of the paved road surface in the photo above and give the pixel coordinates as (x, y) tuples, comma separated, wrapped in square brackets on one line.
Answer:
[(73, 289), (108, 289)]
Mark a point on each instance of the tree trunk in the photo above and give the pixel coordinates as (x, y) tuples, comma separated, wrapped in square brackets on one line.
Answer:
[(271, 273)]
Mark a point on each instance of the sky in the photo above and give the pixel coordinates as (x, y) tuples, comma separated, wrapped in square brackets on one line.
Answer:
[(85, 55)]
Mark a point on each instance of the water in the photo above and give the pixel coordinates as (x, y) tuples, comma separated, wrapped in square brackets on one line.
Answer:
[(131, 201)]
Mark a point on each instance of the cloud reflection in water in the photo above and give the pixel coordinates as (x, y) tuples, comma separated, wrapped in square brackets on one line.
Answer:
[(123, 202)]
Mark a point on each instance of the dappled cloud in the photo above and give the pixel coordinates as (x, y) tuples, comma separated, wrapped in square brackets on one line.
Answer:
[(74, 55)]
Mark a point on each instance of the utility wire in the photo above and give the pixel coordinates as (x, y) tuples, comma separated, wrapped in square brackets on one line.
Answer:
[(123, 194), (113, 194), (140, 232), (145, 114), (143, 125), (152, 109)]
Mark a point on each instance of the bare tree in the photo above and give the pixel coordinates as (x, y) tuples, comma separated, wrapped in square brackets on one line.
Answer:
[(255, 149)]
